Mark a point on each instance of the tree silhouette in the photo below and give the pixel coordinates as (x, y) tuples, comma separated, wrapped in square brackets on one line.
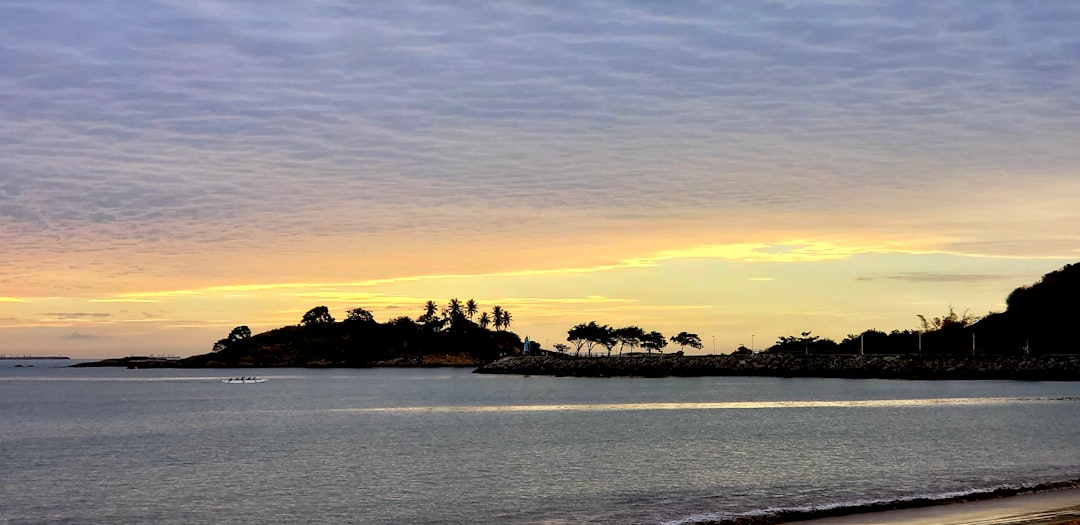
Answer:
[(317, 316), (455, 314), (803, 344), (470, 309), (629, 336), (588, 335), (360, 315), (236, 338), (608, 339), (950, 320), (239, 333), (654, 341), (485, 320), (497, 317), (685, 339), (454, 308), (431, 309), (578, 335)]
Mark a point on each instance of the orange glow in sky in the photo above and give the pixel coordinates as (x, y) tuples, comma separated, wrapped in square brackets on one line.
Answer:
[(743, 171)]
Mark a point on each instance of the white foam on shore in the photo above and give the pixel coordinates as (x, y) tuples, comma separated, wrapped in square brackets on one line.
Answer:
[(874, 505)]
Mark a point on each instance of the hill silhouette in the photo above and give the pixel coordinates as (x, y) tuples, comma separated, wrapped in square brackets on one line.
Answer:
[(451, 339), (1039, 319)]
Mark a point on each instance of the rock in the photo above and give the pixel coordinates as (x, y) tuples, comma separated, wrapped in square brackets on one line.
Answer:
[(842, 366)]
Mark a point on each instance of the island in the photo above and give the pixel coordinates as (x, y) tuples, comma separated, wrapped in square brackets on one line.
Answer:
[(456, 336)]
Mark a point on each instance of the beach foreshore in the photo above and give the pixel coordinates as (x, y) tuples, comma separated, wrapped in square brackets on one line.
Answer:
[(1057, 507), (1053, 502)]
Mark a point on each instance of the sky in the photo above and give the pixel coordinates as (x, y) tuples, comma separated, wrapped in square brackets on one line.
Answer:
[(742, 170)]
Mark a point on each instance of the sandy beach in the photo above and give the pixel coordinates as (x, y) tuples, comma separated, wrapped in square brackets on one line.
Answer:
[(1046, 508)]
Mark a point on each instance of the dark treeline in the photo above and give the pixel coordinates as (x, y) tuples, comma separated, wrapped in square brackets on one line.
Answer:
[(607, 340), (1039, 319), (359, 340)]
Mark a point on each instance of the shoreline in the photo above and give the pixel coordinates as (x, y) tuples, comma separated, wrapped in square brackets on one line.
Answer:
[(429, 361), (1048, 503), (1052, 507)]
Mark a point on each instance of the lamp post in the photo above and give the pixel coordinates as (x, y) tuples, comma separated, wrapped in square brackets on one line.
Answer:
[(714, 344), (751, 342)]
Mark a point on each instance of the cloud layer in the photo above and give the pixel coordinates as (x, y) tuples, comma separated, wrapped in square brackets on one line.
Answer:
[(149, 122), (250, 142)]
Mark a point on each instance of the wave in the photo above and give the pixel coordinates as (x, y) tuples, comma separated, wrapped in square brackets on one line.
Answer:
[(775, 515)]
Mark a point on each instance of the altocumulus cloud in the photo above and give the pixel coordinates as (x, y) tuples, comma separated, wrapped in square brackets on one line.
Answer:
[(78, 336), (141, 123), (77, 315), (935, 277)]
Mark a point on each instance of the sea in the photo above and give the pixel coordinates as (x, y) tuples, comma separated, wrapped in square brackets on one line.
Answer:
[(445, 446)]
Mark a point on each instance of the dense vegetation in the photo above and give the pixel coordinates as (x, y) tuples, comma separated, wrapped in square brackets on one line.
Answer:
[(359, 340), (590, 335), (1039, 319)]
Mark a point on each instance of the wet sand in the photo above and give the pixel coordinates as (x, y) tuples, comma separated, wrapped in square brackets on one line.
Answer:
[(1059, 507)]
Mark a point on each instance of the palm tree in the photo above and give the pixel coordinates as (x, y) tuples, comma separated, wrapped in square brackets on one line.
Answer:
[(430, 309), (484, 320), (454, 308), (497, 317), (470, 309), (506, 319)]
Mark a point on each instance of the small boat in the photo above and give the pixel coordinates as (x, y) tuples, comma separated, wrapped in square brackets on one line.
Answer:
[(243, 380)]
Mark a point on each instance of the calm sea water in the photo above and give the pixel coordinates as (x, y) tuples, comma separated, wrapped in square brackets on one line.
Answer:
[(447, 446)]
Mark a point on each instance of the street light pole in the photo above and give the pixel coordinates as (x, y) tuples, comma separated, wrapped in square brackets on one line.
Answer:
[(714, 344)]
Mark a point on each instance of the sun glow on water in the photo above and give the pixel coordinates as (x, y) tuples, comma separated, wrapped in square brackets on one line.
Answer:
[(722, 405)]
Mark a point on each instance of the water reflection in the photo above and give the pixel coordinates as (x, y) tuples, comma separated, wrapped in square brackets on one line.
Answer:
[(722, 405)]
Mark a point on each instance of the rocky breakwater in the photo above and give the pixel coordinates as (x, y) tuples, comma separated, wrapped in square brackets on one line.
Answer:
[(1032, 368)]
